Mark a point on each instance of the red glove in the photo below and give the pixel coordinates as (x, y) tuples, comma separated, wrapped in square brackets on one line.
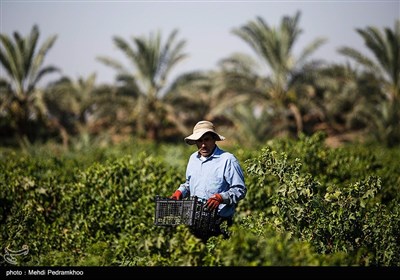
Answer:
[(214, 201), (177, 195)]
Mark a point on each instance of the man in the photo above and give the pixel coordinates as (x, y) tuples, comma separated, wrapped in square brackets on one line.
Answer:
[(213, 175)]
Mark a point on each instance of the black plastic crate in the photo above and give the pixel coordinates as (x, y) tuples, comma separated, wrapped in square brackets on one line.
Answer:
[(190, 211)]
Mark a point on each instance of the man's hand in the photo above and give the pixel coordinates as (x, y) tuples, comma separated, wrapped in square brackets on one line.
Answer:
[(177, 195), (214, 201)]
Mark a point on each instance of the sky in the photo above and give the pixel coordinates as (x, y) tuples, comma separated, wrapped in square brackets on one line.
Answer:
[(85, 29)]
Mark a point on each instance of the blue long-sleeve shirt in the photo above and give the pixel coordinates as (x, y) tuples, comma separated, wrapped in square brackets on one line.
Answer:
[(219, 173)]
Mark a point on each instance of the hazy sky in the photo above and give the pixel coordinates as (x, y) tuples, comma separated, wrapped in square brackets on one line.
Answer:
[(85, 28)]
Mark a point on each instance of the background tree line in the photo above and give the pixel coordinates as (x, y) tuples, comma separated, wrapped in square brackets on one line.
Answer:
[(253, 98)]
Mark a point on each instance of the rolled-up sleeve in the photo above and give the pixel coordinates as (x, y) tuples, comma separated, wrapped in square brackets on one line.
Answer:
[(234, 177)]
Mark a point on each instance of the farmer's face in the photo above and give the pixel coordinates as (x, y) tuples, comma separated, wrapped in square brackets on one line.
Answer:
[(206, 144)]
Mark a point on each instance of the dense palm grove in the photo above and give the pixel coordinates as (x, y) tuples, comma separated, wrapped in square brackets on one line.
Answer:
[(81, 163), (254, 99)]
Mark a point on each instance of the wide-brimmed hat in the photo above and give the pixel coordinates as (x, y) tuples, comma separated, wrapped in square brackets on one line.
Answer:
[(200, 129)]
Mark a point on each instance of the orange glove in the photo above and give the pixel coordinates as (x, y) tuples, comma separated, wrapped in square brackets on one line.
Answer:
[(214, 201), (177, 195)]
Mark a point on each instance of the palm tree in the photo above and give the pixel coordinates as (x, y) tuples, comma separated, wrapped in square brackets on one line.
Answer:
[(385, 121), (202, 95), (336, 103), (22, 102), (285, 84), (71, 106), (152, 62), (250, 119)]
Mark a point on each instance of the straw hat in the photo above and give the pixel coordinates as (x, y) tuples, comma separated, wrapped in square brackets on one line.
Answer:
[(200, 129)]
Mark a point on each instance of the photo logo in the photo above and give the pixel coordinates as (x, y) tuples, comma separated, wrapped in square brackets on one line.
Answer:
[(10, 254)]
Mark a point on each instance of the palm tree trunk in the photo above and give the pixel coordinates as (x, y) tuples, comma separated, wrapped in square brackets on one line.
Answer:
[(297, 116)]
